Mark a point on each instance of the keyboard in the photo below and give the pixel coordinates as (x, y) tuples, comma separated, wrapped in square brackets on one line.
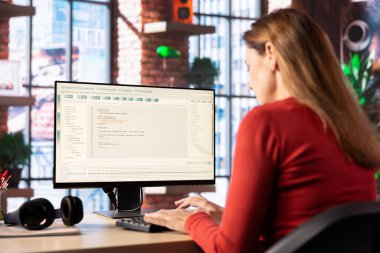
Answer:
[(137, 223)]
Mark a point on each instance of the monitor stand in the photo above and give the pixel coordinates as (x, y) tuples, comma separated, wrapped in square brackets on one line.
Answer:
[(129, 200)]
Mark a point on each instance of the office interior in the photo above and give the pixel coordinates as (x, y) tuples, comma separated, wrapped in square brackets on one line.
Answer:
[(116, 41)]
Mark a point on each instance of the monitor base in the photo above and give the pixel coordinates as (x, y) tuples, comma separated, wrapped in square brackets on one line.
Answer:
[(115, 214)]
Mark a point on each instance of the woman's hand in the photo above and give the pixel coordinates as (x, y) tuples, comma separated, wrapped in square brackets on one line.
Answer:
[(214, 210), (173, 219)]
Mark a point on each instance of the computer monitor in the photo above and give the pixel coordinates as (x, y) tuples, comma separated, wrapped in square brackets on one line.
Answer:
[(130, 136)]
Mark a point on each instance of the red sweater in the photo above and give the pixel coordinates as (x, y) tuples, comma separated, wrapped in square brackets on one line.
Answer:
[(286, 169)]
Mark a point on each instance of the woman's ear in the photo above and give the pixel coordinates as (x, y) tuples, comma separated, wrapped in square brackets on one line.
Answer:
[(271, 56)]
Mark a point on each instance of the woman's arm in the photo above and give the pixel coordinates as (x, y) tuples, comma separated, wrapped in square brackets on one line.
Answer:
[(249, 196), (250, 192)]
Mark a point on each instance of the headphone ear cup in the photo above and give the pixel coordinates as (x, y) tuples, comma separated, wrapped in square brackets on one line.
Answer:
[(78, 210), (71, 210)]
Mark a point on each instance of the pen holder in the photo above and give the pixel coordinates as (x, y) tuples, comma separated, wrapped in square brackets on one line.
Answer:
[(2, 204)]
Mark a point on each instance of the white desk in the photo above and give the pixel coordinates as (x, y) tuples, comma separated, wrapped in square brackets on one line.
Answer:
[(99, 234)]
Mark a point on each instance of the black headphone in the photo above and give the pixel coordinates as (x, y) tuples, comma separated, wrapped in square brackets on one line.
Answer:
[(39, 213)]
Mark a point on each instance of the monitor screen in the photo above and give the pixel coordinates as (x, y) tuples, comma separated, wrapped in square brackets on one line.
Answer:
[(110, 135)]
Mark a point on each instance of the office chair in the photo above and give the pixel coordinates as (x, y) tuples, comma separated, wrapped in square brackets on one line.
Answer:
[(347, 228)]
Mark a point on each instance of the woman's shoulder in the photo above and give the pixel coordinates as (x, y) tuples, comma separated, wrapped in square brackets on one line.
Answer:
[(284, 115), (274, 110)]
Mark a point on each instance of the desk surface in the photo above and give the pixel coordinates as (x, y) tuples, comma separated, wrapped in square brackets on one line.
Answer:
[(99, 234)]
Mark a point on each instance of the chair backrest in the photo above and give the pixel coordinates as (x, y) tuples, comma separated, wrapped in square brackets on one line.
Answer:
[(348, 228)]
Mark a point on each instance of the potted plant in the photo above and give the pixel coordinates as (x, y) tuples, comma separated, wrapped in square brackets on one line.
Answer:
[(14, 155), (202, 73)]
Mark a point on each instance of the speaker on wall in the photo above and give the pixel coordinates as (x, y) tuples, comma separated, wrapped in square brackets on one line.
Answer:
[(357, 32), (357, 36), (183, 11)]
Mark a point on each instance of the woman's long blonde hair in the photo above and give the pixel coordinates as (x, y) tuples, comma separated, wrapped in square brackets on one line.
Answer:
[(313, 77)]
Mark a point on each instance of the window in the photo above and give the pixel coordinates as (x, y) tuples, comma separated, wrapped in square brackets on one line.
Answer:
[(60, 42), (226, 49), (273, 5)]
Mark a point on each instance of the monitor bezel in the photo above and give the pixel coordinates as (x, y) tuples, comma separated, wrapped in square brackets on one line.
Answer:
[(60, 185)]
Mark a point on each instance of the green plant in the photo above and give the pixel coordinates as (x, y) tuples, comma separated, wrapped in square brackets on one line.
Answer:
[(202, 73), (358, 71), (14, 152)]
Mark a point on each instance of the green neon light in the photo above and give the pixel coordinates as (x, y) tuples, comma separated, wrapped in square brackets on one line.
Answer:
[(168, 52)]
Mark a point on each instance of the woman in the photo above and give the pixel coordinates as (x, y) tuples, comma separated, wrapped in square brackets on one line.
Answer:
[(307, 148)]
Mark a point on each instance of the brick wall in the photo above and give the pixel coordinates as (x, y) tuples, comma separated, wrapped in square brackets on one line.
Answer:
[(4, 52), (154, 70), (4, 38), (3, 119), (137, 60), (162, 201), (127, 42)]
